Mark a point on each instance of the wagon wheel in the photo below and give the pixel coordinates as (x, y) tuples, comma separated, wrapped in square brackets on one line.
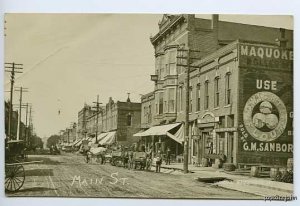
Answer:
[(14, 177), (99, 159), (119, 162)]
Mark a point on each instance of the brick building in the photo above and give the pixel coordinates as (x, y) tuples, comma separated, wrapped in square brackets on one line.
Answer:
[(117, 122), (215, 89), (83, 114)]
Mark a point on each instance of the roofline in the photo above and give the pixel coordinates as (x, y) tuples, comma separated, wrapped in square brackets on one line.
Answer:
[(160, 33), (227, 48)]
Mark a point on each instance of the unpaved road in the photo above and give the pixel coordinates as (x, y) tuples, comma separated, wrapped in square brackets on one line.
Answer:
[(67, 175)]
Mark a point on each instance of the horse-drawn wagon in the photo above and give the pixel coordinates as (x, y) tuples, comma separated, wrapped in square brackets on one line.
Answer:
[(15, 157)]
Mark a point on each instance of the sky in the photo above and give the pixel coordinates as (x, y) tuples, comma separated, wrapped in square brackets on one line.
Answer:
[(69, 59)]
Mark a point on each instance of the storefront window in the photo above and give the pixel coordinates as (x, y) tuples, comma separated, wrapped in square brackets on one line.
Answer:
[(221, 143), (230, 121), (194, 147)]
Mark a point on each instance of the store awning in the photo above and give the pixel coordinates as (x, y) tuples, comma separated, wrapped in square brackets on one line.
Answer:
[(178, 136), (75, 142), (102, 136), (78, 143), (157, 130), (108, 139)]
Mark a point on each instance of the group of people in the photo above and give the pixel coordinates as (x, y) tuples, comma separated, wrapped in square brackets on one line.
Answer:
[(128, 156)]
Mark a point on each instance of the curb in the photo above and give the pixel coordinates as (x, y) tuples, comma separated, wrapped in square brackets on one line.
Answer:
[(248, 183), (173, 168), (270, 187)]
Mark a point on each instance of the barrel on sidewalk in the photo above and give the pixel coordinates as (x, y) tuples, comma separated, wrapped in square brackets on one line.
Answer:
[(290, 164), (274, 172), (254, 171)]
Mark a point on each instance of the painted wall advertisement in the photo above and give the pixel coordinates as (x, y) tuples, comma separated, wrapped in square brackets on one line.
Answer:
[(266, 104)]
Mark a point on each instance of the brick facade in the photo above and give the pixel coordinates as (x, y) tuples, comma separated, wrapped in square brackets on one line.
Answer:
[(215, 43), (122, 117)]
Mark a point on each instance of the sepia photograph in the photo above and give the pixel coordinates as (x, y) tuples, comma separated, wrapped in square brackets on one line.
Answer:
[(148, 106)]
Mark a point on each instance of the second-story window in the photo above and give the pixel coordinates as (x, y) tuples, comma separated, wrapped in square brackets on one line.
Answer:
[(172, 62), (171, 99), (227, 88), (198, 94), (149, 114), (145, 114), (180, 98), (191, 99), (206, 102), (129, 119), (217, 92)]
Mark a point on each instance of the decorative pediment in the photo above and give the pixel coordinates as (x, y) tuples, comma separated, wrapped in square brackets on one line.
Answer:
[(167, 18)]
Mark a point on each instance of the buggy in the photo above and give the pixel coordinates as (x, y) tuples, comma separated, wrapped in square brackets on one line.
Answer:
[(116, 158), (14, 161), (139, 160)]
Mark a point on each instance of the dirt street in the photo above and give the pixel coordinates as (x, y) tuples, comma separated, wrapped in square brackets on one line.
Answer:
[(67, 175)]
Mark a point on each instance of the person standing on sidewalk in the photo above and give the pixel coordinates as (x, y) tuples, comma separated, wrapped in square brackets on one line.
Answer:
[(158, 161)]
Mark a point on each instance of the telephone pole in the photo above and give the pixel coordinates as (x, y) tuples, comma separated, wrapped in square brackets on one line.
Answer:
[(29, 125), (187, 109), (26, 124), (97, 116), (21, 90), (68, 130), (13, 69), (187, 65)]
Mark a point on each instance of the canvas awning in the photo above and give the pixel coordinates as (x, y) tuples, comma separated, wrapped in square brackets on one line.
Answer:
[(102, 136), (108, 139), (178, 136), (157, 130), (75, 142)]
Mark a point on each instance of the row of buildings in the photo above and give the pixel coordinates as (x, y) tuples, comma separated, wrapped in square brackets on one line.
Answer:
[(115, 122), (20, 130), (240, 94)]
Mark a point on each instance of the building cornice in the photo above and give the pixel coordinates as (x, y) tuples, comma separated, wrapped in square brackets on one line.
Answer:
[(165, 29)]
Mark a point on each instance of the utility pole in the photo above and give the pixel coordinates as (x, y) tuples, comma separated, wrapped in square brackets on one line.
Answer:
[(187, 109), (21, 90), (30, 124), (72, 128), (187, 65), (26, 130), (11, 67), (97, 116)]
